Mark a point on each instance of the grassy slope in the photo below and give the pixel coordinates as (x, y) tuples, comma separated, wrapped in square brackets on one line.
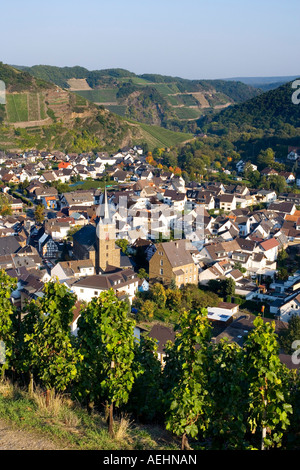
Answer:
[(156, 136), (70, 427)]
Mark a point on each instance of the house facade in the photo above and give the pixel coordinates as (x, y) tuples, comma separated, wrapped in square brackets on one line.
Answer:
[(173, 261)]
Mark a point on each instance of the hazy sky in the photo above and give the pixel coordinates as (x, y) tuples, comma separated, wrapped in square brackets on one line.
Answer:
[(186, 38)]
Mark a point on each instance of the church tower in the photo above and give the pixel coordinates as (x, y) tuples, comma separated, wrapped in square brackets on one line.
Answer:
[(107, 252)]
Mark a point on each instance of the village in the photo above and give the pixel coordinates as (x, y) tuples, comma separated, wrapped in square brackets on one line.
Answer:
[(194, 233)]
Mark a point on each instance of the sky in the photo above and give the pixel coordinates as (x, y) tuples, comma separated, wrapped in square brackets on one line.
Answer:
[(192, 39)]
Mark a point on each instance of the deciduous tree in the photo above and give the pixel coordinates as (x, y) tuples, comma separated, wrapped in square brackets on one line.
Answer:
[(189, 398), (54, 357), (106, 342), (7, 312), (268, 400)]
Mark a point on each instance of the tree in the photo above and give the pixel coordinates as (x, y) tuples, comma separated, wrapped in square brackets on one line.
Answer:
[(266, 158), (39, 214), (189, 398), (142, 274), (290, 335), (277, 183), (24, 185), (226, 387), (158, 294), (229, 286), (7, 312), (283, 273), (23, 358), (174, 297), (54, 357), (238, 265), (146, 398), (222, 287), (147, 310), (106, 342), (282, 255), (72, 232), (123, 244), (268, 399), (5, 206)]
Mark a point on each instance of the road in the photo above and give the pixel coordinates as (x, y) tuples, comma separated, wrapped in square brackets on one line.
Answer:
[(12, 438)]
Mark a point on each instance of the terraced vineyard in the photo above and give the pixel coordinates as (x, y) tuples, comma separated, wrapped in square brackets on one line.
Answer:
[(17, 107), (106, 95), (185, 105), (25, 107), (166, 101), (157, 136), (42, 115)]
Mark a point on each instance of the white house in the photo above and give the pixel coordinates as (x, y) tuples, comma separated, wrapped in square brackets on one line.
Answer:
[(267, 195), (270, 248), (75, 268), (125, 284), (106, 160), (292, 156), (289, 308), (226, 202)]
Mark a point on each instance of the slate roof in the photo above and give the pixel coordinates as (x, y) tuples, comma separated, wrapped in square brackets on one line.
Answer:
[(9, 245), (177, 253), (86, 236), (162, 334), (107, 280), (285, 207)]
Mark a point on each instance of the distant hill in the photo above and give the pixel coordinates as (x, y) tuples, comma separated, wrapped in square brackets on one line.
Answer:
[(264, 83), (272, 110), (171, 102), (39, 114)]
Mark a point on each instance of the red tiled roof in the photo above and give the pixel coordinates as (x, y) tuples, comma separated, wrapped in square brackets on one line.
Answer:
[(269, 244), (64, 165)]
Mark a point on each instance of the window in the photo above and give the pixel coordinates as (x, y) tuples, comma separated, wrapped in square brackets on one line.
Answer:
[(161, 262), (161, 271)]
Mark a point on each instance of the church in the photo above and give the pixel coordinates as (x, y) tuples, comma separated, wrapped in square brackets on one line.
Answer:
[(97, 241)]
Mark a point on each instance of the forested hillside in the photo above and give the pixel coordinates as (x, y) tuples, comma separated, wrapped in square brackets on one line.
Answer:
[(271, 110), (171, 102)]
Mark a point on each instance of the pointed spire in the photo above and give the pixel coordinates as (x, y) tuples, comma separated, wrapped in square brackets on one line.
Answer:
[(106, 208)]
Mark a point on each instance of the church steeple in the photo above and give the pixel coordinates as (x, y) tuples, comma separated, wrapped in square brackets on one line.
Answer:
[(104, 213), (106, 208), (108, 254)]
